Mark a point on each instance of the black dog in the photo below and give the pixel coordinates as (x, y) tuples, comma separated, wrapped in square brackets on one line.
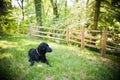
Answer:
[(38, 54)]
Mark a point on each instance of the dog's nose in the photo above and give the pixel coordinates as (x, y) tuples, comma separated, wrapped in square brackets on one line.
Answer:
[(49, 50)]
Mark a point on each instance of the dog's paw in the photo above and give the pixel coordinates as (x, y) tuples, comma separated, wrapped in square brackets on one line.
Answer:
[(49, 65), (39, 65)]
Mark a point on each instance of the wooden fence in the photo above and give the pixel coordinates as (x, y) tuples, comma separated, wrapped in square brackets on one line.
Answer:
[(83, 37)]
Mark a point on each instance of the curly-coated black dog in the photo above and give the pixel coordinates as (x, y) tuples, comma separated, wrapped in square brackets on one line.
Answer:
[(38, 54)]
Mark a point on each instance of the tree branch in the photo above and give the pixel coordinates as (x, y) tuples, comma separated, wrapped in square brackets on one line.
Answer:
[(19, 4)]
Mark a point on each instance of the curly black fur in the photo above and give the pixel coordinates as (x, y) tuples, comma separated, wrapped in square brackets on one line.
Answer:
[(38, 54)]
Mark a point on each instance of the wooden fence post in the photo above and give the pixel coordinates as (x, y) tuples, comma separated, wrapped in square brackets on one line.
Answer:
[(30, 30), (67, 35), (103, 42), (83, 38)]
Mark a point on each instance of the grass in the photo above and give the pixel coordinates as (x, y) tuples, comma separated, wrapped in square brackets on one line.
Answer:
[(68, 62)]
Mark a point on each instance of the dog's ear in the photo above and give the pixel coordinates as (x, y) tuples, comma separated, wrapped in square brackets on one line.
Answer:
[(42, 46)]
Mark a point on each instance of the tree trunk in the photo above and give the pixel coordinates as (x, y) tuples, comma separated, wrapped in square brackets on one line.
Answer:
[(38, 9), (22, 7), (87, 2), (96, 15), (65, 7), (55, 9), (76, 0)]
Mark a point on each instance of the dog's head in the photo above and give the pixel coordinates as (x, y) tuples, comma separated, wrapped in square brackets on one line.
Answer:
[(44, 47)]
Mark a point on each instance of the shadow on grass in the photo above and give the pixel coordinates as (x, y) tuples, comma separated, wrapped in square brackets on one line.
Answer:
[(6, 71), (11, 63)]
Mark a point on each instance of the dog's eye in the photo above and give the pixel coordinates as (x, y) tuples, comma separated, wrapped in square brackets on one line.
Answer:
[(43, 48)]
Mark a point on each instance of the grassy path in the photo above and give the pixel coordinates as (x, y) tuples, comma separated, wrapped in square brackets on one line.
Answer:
[(68, 62)]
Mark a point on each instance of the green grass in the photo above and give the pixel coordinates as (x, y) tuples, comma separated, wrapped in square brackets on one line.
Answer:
[(68, 62)]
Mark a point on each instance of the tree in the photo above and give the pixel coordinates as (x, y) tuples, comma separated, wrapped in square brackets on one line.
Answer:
[(110, 18), (38, 9), (6, 20), (21, 6), (65, 7), (76, 0), (96, 14), (55, 9)]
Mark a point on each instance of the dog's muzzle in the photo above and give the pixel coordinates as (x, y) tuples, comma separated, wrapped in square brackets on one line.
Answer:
[(49, 49)]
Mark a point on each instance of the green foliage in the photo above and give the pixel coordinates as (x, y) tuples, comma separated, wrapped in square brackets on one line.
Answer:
[(7, 21), (110, 17), (68, 62), (79, 15), (109, 13), (115, 32)]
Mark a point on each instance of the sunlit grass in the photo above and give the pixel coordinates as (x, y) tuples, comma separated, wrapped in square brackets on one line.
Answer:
[(68, 62), (6, 55), (7, 44)]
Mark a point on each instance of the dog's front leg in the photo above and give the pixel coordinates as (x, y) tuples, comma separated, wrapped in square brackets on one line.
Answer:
[(48, 63), (44, 60)]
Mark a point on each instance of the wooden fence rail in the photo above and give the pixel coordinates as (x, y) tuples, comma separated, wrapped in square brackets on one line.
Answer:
[(82, 37)]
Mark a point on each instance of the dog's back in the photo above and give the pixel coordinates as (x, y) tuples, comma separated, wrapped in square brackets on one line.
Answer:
[(31, 52)]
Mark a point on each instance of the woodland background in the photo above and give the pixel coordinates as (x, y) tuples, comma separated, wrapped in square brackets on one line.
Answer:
[(68, 62), (16, 15)]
